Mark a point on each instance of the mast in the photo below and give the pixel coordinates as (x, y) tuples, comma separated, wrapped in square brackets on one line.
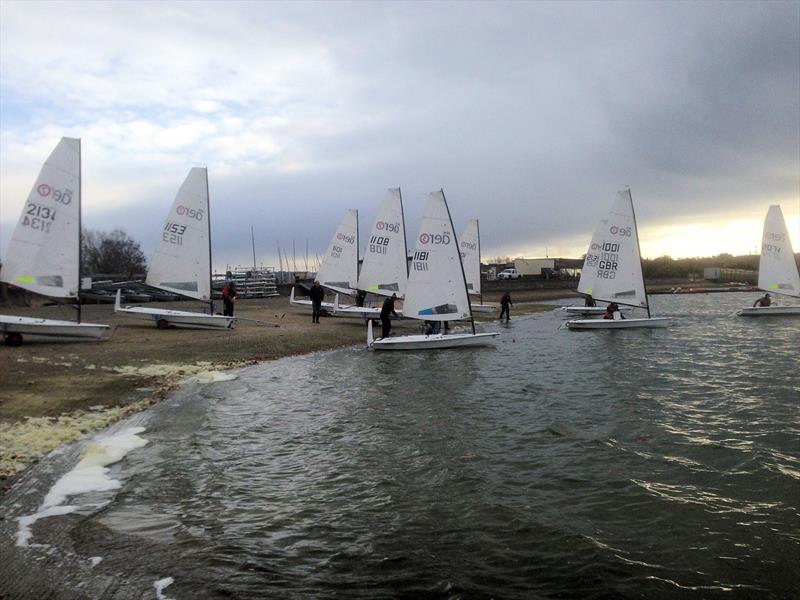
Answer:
[(80, 227), (639, 250), (210, 280), (461, 263), (357, 252), (478, 227), (253, 240), (280, 258), (403, 223)]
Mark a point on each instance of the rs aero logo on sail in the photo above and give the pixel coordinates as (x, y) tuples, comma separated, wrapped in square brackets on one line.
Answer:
[(434, 238), (192, 213), (390, 227), (62, 197)]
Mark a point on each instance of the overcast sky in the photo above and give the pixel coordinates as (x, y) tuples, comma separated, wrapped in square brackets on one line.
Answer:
[(529, 115)]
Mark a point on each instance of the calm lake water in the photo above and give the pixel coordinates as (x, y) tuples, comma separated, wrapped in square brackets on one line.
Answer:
[(603, 464)]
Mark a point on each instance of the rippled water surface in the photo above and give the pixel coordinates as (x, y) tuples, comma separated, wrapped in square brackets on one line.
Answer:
[(605, 464)]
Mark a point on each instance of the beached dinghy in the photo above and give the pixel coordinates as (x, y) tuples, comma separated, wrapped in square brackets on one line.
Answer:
[(470, 242), (612, 270), (384, 270), (437, 287), (777, 270), (339, 269), (44, 254), (302, 302), (181, 263)]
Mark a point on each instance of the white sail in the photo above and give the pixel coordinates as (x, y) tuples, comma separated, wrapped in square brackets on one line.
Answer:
[(44, 253), (470, 243), (182, 260), (777, 269), (339, 268), (612, 270), (436, 289), (384, 270)]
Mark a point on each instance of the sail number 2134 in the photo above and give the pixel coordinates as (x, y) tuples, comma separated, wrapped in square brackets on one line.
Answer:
[(37, 216)]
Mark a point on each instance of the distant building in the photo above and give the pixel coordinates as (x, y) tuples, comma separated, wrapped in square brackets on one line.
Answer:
[(731, 275), (549, 267)]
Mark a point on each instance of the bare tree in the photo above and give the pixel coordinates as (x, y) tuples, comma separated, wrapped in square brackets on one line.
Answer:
[(111, 253)]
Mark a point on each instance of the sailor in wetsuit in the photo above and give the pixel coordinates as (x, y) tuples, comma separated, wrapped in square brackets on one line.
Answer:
[(386, 310), (765, 300)]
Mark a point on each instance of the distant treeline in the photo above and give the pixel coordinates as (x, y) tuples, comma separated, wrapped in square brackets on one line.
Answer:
[(666, 267)]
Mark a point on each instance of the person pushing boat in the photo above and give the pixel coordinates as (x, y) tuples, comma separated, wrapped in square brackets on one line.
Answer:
[(589, 302), (386, 310)]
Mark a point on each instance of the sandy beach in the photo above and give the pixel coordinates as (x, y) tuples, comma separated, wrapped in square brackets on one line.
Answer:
[(55, 391)]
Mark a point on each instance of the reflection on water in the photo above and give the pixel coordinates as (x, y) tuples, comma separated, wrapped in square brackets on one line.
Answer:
[(637, 463)]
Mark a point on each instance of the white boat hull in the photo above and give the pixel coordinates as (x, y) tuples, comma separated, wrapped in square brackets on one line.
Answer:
[(51, 327), (164, 318), (769, 311), (366, 312), (292, 300), (588, 311), (652, 323), (436, 341), (370, 312), (484, 308)]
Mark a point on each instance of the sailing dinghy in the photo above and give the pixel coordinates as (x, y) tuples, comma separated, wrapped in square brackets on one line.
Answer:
[(181, 263), (384, 270), (470, 242), (777, 269), (339, 269), (612, 270), (44, 255), (437, 287)]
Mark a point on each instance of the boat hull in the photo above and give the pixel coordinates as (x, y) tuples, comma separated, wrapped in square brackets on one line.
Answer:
[(434, 342), (299, 302), (178, 318), (366, 312), (484, 308), (652, 323), (51, 327), (588, 311), (769, 311)]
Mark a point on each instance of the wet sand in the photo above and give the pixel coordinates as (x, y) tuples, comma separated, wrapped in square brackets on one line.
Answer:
[(54, 391)]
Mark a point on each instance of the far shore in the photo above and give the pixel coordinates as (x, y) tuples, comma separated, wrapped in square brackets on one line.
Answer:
[(54, 391)]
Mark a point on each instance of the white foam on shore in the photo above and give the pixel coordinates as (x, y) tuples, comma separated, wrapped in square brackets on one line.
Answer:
[(198, 372), (213, 376), (89, 475), (160, 585)]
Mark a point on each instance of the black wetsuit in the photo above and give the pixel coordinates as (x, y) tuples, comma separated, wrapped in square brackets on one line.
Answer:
[(316, 293), (386, 310), (228, 297), (505, 306)]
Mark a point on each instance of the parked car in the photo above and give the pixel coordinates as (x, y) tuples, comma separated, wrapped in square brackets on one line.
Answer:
[(508, 274)]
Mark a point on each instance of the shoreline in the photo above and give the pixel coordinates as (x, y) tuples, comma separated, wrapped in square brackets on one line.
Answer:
[(57, 391)]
